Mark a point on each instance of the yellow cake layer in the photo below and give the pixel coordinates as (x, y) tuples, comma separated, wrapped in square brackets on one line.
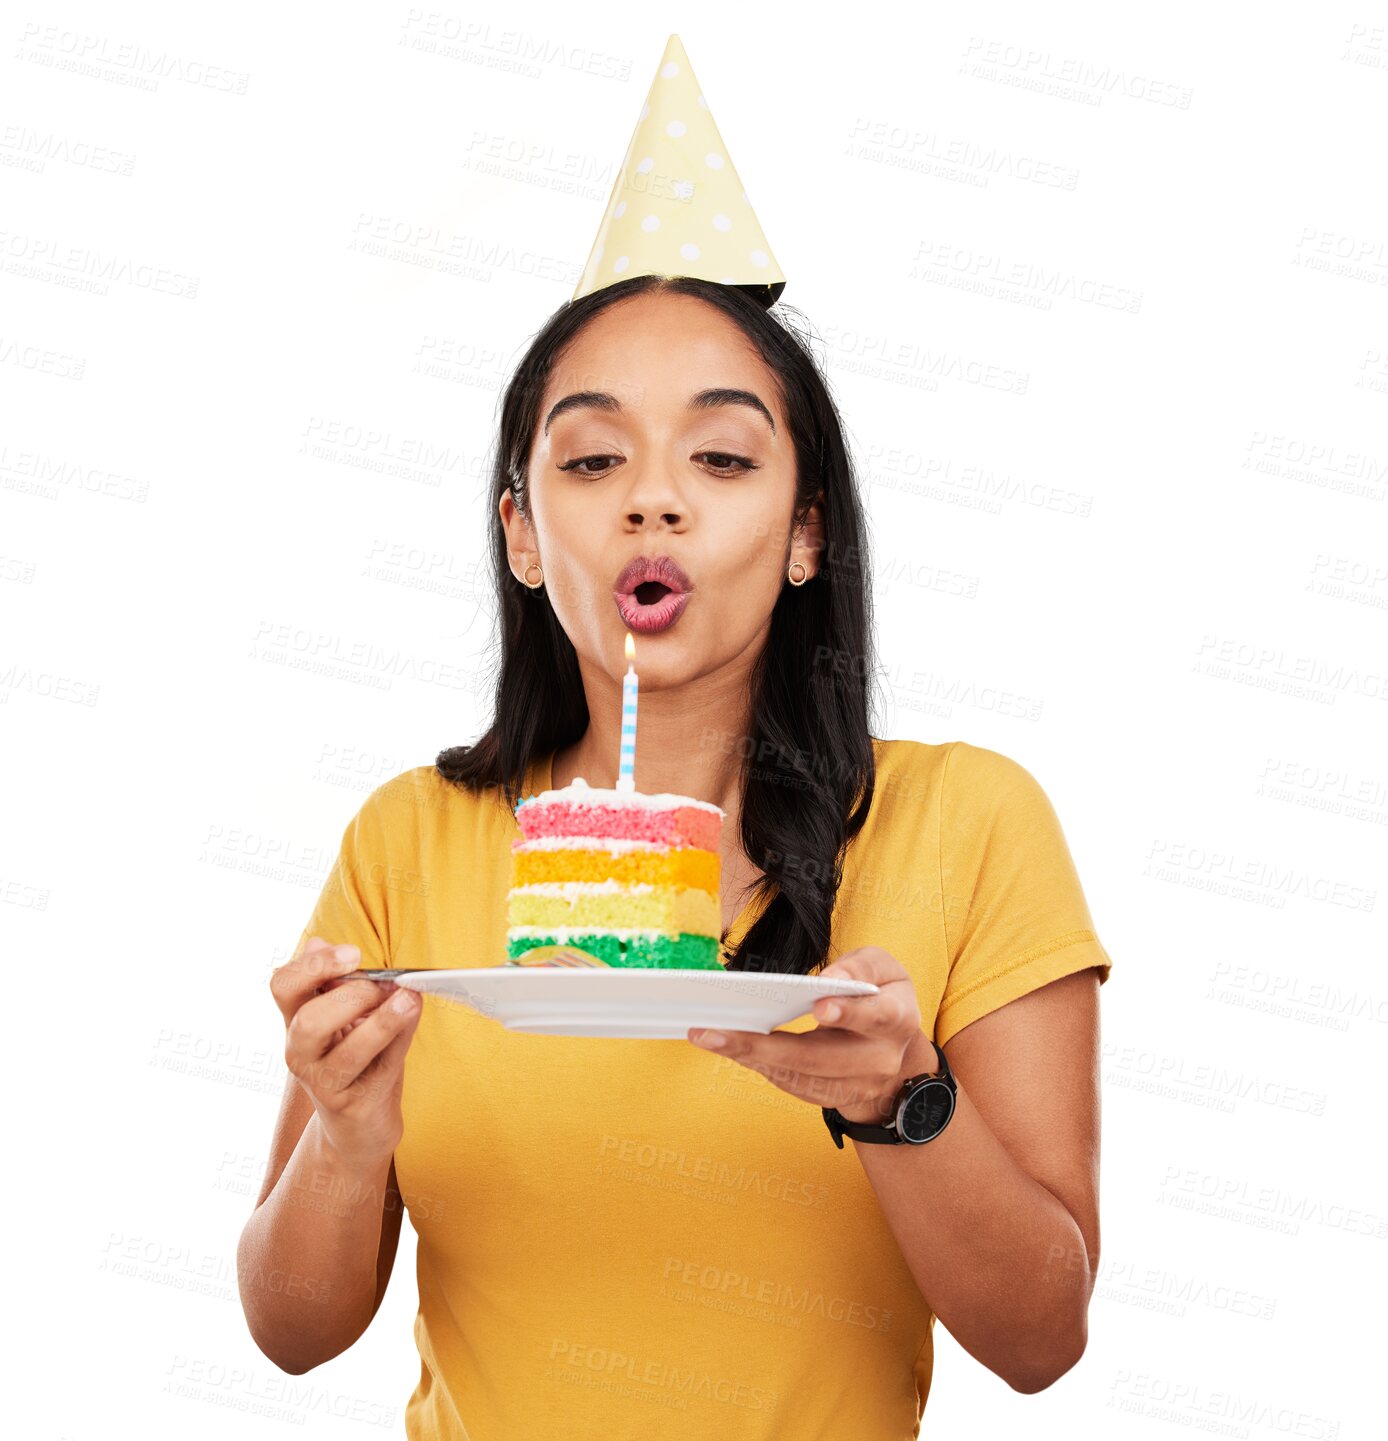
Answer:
[(666, 908), (687, 866)]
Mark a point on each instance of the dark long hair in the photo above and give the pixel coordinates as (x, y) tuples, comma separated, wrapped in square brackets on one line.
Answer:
[(807, 768)]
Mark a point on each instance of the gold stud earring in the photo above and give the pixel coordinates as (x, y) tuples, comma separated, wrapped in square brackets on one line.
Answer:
[(804, 573), (534, 565)]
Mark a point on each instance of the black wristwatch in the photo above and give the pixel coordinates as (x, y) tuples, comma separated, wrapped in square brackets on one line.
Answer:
[(922, 1110)]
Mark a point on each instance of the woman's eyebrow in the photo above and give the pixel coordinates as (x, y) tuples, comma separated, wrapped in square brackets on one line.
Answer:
[(703, 400)]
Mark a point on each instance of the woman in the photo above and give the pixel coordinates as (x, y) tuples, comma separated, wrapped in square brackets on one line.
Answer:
[(614, 1230)]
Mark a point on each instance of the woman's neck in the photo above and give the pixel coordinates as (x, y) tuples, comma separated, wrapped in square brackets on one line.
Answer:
[(690, 738), (704, 764)]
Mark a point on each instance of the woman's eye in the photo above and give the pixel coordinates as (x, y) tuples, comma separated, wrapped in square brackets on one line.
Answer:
[(583, 461), (737, 460)]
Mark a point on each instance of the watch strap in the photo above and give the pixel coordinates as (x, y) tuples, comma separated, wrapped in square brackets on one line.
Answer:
[(888, 1135)]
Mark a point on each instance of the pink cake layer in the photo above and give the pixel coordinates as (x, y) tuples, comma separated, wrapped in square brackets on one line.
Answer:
[(676, 826)]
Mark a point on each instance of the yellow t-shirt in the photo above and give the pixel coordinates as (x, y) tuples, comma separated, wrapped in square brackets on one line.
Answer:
[(620, 1238)]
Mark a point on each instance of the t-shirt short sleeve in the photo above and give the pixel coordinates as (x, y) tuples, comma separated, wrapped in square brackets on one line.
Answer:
[(351, 908), (1015, 915)]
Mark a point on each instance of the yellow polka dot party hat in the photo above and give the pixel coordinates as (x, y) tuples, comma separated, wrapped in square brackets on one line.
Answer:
[(677, 206)]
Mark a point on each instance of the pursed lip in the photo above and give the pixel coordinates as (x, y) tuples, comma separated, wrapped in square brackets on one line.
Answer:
[(663, 568)]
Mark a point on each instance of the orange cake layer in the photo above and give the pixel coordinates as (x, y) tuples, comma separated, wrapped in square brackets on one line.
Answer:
[(691, 868)]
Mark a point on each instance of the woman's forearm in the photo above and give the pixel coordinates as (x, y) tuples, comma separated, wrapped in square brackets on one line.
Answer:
[(306, 1261), (996, 1256)]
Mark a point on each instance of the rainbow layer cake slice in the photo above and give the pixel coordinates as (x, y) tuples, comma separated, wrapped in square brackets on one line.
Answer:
[(631, 879)]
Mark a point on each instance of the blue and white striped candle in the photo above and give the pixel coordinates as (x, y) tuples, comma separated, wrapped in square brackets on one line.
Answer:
[(626, 761)]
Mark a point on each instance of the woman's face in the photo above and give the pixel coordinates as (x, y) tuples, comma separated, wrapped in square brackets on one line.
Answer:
[(638, 470)]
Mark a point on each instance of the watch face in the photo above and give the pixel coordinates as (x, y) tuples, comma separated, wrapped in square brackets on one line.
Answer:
[(925, 1111)]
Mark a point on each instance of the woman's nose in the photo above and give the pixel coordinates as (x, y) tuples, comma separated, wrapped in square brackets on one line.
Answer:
[(653, 492)]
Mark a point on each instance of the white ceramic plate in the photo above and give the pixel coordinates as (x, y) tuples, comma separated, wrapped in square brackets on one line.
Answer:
[(622, 1001)]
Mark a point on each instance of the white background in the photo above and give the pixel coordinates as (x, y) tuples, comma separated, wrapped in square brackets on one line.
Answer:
[(1124, 441)]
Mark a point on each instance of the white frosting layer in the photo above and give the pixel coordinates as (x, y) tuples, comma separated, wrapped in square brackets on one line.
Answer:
[(579, 792), (569, 890), (604, 843), (563, 934)]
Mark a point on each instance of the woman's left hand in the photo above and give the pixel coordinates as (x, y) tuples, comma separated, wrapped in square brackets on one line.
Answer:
[(856, 1059)]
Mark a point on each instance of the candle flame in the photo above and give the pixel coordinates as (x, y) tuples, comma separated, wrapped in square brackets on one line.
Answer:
[(630, 647)]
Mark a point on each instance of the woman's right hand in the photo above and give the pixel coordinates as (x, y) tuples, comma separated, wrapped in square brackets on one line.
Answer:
[(345, 1043)]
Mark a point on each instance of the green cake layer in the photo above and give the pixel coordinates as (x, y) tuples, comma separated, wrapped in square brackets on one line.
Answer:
[(655, 952)]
